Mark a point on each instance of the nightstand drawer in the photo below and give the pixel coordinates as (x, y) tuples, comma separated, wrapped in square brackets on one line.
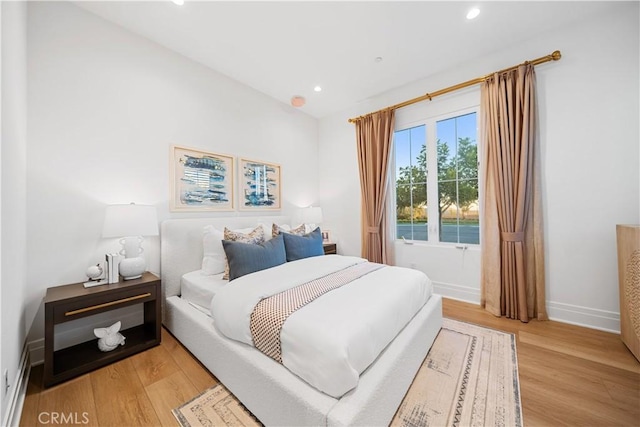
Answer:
[(100, 303), (329, 248)]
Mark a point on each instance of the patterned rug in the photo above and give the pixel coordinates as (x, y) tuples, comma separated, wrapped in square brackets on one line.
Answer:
[(469, 378)]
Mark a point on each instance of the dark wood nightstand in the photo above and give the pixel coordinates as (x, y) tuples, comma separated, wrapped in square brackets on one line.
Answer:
[(329, 248), (71, 302)]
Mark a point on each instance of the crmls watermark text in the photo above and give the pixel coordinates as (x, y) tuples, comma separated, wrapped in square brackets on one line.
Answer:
[(63, 418)]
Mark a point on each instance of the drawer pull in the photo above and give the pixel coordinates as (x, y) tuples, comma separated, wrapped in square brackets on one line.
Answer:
[(106, 304)]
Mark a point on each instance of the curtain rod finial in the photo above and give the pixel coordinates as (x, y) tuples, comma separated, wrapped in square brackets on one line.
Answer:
[(556, 55)]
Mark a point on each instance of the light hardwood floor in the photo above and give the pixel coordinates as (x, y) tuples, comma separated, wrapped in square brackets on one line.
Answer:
[(569, 376)]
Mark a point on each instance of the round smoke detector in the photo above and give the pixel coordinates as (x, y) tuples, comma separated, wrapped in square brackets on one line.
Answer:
[(297, 101)]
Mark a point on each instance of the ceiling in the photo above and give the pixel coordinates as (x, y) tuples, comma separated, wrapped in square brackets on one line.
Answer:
[(285, 49)]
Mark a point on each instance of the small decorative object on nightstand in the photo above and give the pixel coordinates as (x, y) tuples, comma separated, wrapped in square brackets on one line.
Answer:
[(94, 272), (109, 338), (329, 248), (70, 302), (95, 276)]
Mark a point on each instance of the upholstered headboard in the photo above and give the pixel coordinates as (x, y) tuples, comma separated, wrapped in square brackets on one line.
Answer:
[(181, 245)]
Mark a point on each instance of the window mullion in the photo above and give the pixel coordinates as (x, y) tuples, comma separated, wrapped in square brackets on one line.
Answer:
[(411, 184), (457, 157), (432, 182)]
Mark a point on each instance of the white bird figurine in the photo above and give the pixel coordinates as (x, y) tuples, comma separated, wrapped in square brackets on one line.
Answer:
[(110, 337)]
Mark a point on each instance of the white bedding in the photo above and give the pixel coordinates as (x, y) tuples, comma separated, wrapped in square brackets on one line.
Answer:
[(332, 340), (198, 288)]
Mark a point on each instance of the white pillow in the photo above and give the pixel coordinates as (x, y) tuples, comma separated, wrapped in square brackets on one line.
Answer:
[(214, 259), (266, 227)]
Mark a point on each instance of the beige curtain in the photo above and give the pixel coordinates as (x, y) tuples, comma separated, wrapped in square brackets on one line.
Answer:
[(513, 277), (374, 134)]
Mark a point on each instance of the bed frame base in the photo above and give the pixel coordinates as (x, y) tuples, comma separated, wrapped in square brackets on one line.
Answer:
[(276, 397)]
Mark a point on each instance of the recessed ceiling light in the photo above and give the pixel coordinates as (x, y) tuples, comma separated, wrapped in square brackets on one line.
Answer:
[(317, 89), (178, 2), (378, 59), (473, 13)]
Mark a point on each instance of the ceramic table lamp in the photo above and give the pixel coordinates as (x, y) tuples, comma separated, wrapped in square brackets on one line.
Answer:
[(131, 222)]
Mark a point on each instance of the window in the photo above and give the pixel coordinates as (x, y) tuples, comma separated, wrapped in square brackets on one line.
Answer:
[(458, 179), (437, 160), (411, 183)]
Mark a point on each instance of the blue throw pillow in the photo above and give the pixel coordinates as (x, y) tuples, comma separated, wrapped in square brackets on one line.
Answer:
[(308, 245), (245, 258)]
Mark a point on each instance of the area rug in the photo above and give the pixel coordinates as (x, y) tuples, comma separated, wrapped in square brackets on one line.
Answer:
[(469, 378)]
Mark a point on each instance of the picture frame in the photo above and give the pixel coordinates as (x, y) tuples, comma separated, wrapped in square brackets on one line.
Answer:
[(326, 236), (201, 180), (259, 185)]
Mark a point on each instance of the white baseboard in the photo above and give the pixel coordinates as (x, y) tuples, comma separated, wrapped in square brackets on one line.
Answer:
[(18, 391), (603, 320), (457, 292), (36, 351)]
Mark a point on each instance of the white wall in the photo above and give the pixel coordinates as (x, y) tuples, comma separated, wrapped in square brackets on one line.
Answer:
[(105, 105), (13, 145), (589, 132)]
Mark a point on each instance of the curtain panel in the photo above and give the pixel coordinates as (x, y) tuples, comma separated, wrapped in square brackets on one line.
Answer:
[(513, 273), (374, 135)]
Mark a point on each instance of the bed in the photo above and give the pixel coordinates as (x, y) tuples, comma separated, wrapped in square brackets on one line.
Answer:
[(268, 389)]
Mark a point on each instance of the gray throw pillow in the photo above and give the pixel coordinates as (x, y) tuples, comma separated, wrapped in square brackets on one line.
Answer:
[(298, 247), (245, 258)]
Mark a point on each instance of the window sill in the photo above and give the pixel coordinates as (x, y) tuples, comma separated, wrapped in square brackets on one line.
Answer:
[(440, 245)]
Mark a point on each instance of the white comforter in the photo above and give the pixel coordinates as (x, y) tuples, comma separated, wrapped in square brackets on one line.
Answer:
[(332, 340)]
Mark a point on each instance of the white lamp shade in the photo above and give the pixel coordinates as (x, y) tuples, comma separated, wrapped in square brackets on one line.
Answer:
[(311, 215), (130, 220)]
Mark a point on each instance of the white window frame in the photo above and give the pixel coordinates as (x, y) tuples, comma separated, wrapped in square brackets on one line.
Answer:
[(430, 121)]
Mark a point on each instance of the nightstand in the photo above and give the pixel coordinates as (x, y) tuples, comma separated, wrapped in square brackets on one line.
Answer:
[(71, 302), (329, 248)]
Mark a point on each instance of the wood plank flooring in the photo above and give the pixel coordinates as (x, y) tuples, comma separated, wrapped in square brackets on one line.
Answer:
[(569, 376)]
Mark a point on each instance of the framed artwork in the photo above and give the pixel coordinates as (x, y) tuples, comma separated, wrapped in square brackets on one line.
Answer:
[(200, 180), (326, 236), (259, 185)]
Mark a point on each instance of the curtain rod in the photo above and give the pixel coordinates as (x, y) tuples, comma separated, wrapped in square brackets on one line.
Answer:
[(555, 56)]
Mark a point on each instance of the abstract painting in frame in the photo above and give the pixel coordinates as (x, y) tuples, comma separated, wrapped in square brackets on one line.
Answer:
[(201, 180), (259, 185)]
